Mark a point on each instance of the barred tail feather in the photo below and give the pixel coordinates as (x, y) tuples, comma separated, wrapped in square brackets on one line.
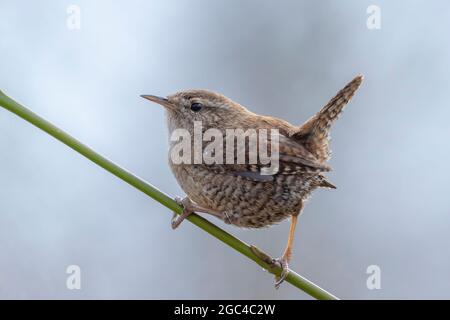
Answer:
[(331, 111), (314, 132)]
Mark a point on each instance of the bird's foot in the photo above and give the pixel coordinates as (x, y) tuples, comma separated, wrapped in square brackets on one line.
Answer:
[(274, 263), (188, 209), (283, 264)]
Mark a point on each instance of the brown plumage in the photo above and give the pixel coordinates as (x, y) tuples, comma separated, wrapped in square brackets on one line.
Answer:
[(314, 132), (243, 194)]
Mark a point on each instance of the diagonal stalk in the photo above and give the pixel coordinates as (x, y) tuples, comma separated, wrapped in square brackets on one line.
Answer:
[(250, 252)]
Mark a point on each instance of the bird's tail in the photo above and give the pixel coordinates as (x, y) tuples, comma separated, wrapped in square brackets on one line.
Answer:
[(314, 132)]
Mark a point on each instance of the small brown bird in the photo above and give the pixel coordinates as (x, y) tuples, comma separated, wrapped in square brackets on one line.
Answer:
[(242, 194)]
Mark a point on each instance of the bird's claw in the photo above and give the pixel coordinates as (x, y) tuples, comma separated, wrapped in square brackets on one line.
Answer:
[(283, 264), (174, 223), (274, 263), (178, 219)]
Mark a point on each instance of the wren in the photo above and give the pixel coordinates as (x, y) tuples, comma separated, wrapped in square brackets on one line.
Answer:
[(242, 194)]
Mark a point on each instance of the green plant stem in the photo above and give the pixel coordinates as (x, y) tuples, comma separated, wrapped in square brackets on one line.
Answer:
[(250, 252)]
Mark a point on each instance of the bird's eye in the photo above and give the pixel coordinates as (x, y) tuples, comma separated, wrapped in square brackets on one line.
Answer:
[(196, 106)]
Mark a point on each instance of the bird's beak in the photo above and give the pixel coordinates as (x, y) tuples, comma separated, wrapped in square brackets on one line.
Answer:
[(159, 100)]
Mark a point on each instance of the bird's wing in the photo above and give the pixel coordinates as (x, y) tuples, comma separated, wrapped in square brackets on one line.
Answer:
[(293, 158), (294, 153)]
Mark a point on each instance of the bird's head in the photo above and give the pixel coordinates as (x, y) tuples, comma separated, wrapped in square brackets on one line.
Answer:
[(212, 109)]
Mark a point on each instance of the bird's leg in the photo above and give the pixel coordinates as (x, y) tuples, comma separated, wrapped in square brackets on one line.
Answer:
[(283, 261), (189, 207)]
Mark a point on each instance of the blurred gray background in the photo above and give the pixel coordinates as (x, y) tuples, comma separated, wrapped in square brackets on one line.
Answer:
[(284, 59)]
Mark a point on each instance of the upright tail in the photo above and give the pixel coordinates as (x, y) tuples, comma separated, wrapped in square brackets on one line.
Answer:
[(314, 132)]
